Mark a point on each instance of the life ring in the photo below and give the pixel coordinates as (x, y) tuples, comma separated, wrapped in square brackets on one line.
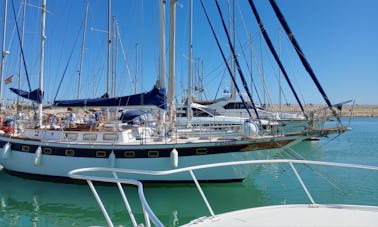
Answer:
[(53, 120)]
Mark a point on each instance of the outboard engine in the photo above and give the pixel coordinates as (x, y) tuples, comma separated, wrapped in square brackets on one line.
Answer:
[(250, 128)]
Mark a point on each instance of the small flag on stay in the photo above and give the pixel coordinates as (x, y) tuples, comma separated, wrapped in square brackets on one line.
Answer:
[(9, 79)]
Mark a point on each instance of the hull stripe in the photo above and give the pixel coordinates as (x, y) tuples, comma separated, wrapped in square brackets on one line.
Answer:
[(143, 152)]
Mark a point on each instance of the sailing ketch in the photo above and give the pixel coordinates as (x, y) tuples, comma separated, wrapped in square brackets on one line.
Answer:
[(50, 151)]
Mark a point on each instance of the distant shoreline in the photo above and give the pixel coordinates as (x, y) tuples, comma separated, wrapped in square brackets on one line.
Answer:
[(347, 110)]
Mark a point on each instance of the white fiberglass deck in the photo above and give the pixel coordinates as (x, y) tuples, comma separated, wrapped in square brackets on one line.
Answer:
[(295, 215)]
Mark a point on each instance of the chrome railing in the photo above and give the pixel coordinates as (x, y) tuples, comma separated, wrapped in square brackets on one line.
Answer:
[(149, 215)]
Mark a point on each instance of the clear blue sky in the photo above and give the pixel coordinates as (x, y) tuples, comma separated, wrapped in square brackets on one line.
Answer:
[(338, 37)]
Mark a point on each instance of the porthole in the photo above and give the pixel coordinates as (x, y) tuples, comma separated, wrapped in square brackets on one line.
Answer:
[(153, 154), (129, 154), (47, 150), (100, 154), (201, 151), (25, 148), (70, 152)]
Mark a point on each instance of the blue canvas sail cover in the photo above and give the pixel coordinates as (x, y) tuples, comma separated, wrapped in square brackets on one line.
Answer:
[(154, 97), (36, 95)]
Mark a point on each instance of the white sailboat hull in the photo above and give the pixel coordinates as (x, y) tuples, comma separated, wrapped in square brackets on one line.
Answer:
[(53, 164)]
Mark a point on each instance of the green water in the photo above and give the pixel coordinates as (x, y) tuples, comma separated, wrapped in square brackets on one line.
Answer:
[(33, 203)]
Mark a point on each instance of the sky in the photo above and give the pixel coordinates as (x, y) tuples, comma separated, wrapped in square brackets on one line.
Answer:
[(339, 39)]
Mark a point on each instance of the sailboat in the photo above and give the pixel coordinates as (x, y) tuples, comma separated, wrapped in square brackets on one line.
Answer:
[(51, 152)]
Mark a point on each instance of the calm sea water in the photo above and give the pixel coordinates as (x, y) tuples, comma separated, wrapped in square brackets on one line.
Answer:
[(33, 203)]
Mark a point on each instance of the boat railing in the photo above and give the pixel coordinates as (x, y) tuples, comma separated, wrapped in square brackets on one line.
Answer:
[(91, 174)]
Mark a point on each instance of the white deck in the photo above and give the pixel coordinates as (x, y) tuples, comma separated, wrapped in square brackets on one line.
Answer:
[(312, 214), (295, 215)]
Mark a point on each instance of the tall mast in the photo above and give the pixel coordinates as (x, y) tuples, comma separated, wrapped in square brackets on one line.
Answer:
[(3, 52), (251, 61), (21, 60), (279, 74), (109, 44), (82, 49), (189, 113), (41, 66), (161, 83), (136, 68), (114, 56), (172, 44), (232, 28), (262, 73)]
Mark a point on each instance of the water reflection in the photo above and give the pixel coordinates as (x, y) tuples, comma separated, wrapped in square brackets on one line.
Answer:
[(27, 202), (34, 203)]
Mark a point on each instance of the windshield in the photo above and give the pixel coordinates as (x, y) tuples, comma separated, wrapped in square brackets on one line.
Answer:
[(212, 112)]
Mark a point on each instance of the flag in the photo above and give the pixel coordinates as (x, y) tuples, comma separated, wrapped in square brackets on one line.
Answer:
[(9, 79)]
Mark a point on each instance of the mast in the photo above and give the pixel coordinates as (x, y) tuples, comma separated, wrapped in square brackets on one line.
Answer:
[(109, 46), (82, 48), (172, 47), (279, 73), (21, 60), (114, 56), (189, 113), (136, 68), (161, 83), (41, 66), (251, 61), (3, 52), (262, 73), (233, 67)]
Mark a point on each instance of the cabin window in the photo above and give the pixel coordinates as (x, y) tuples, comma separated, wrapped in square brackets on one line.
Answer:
[(25, 148), (129, 154), (100, 154), (71, 136), (69, 152), (47, 150), (110, 136), (89, 137), (153, 154), (200, 151), (200, 113), (236, 105)]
